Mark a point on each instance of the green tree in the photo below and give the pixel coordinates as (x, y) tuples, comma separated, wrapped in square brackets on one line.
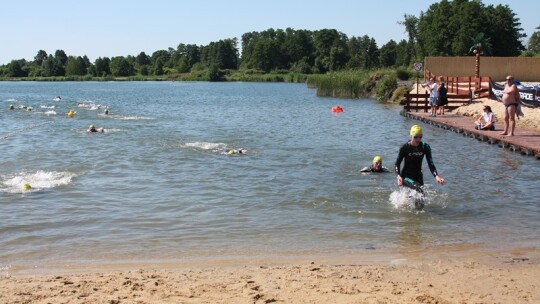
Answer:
[(223, 53), (15, 69), (120, 67), (534, 43), (411, 24), (388, 54), (446, 28), (164, 55), (331, 53), (402, 55), (504, 31), (102, 67), (158, 67), (297, 49), (40, 57), (143, 59), (61, 56), (75, 66), (52, 67)]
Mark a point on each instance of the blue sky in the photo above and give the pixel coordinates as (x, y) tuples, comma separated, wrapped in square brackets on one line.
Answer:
[(108, 28)]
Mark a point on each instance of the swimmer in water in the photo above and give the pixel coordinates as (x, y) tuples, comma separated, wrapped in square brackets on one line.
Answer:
[(237, 151), (93, 129), (376, 166), (413, 153)]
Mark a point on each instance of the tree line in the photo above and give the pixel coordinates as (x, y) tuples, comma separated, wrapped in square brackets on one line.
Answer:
[(446, 28)]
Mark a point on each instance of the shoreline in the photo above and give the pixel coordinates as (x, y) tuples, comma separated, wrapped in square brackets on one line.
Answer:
[(443, 280), (464, 273)]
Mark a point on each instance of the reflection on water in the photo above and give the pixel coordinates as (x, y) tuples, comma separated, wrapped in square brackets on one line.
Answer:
[(160, 183)]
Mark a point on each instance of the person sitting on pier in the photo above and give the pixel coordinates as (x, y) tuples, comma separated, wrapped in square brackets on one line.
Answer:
[(486, 121)]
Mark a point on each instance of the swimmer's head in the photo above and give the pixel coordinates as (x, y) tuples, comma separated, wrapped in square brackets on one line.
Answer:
[(416, 130), (377, 159), (231, 151)]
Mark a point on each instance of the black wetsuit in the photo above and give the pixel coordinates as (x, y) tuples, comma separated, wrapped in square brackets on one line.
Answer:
[(371, 169), (412, 169)]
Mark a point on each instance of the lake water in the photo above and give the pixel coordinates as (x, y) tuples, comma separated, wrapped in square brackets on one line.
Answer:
[(160, 185)]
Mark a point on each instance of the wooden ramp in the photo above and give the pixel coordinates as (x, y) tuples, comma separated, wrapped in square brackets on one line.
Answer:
[(526, 142)]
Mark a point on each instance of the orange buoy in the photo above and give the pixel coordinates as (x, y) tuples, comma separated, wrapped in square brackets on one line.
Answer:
[(337, 109)]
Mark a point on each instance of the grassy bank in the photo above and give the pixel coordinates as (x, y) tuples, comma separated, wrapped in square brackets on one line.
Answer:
[(379, 84)]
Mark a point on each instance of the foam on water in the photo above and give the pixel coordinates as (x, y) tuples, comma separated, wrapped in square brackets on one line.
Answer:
[(405, 198), (38, 180), (120, 117), (47, 107), (209, 146)]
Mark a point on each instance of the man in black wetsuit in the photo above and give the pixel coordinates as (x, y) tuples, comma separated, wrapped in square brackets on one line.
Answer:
[(413, 152)]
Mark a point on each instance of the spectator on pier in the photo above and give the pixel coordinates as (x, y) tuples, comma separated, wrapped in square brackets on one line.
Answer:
[(443, 97), (432, 88), (486, 121), (510, 100)]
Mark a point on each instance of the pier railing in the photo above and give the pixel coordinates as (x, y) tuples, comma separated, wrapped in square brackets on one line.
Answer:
[(419, 102), (461, 91)]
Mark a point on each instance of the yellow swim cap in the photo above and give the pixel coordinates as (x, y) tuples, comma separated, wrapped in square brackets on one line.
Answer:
[(26, 186), (377, 159), (416, 130), (231, 152)]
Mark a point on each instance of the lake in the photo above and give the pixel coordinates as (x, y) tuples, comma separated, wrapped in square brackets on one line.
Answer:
[(160, 185)]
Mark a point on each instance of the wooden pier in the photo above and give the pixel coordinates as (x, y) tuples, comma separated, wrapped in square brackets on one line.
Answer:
[(525, 142)]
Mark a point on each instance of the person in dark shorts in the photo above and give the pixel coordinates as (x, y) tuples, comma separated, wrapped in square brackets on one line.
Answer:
[(443, 96), (413, 153)]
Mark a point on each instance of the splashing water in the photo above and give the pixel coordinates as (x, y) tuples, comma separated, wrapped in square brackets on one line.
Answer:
[(410, 199), (38, 181), (207, 146)]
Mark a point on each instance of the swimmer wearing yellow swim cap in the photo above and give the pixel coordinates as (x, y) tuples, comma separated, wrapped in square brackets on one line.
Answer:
[(413, 153), (26, 186), (416, 130), (376, 166)]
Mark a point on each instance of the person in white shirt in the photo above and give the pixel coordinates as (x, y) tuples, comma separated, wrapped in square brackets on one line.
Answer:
[(486, 121)]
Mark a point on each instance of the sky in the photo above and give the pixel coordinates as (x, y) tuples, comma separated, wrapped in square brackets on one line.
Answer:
[(108, 28)]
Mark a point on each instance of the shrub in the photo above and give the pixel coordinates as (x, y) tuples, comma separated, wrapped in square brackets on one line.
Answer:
[(399, 94), (385, 87)]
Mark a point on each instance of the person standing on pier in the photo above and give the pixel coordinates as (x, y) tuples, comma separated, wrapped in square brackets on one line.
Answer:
[(510, 100)]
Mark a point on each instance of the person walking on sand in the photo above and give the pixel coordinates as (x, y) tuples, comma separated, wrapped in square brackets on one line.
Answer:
[(510, 101), (413, 153)]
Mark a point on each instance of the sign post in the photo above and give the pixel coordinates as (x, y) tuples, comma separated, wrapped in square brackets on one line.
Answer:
[(417, 68)]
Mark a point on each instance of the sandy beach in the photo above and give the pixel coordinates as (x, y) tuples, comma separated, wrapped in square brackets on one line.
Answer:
[(509, 279)]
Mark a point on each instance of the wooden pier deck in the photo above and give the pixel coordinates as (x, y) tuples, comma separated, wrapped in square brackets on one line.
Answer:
[(525, 142)]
